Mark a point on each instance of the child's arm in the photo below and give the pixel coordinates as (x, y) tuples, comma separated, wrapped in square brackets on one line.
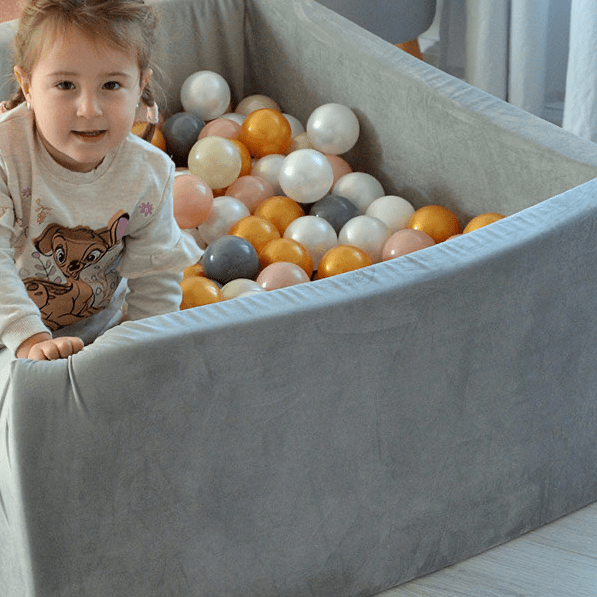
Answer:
[(42, 347)]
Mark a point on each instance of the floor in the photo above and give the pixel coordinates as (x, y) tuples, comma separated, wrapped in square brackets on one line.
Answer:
[(558, 560)]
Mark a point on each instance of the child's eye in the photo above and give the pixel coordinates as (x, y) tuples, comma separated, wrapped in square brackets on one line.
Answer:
[(65, 85), (112, 85)]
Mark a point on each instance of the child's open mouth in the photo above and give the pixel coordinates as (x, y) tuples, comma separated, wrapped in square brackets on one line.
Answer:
[(90, 136)]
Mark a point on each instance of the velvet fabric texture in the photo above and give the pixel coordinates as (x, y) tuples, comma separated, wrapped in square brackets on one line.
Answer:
[(342, 436)]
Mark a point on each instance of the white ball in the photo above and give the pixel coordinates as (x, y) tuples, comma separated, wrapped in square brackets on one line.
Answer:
[(315, 234), (216, 160), (234, 116), (367, 233), (300, 141), (205, 94), (226, 212), (333, 128), (360, 188), (268, 167), (306, 175), (256, 102), (393, 211), (240, 286), (296, 126)]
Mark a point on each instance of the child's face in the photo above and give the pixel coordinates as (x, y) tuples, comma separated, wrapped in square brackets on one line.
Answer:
[(84, 96)]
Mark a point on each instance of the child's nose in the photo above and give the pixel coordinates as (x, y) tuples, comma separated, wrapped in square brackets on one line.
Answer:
[(88, 105)]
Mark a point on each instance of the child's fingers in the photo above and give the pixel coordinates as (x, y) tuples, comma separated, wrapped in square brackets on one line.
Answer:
[(56, 348), (67, 346)]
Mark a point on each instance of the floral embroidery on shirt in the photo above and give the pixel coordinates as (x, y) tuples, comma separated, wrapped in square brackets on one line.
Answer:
[(42, 212), (26, 192), (146, 208), (46, 266)]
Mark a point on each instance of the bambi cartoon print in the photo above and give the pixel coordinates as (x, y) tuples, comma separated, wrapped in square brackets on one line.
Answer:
[(73, 250)]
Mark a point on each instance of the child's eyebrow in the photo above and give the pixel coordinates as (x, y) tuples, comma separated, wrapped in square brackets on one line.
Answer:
[(74, 74)]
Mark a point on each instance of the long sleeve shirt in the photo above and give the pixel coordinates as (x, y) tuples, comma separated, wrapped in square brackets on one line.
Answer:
[(74, 244)]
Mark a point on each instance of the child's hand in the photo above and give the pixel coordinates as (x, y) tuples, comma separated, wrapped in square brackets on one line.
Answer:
[(42, 347)]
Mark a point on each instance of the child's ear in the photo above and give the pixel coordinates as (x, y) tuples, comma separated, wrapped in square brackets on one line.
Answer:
[(23, 80)]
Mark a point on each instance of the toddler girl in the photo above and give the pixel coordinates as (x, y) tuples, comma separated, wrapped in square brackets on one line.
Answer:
[(85, 206)]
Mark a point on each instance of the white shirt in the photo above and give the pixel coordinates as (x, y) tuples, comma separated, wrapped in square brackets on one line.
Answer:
[(68, 239)]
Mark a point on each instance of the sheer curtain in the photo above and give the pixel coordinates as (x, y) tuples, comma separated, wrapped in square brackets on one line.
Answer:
[(540, 55)]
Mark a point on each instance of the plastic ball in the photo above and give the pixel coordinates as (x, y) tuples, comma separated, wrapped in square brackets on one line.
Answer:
[(234, 116), (336, 210), (340, 166), (230, 257), (280, 210), (264, 132), (482, 220), (280, 275), (240, 286), (258, 231), (251, 190), (342, 259), (366, 233), (245, 158), (315, 234), (181, 132), (405, 241), (205, 94), (301, 141), (268, 167), (296, 126), (393, 211), (193, 270), (333, 128), (193, 200), (216, 160), (226, 212), (288, 250), (221, 127), (256, 102), (198, 291), (437, 221), (360, 187), (306, 175), (157, 139)]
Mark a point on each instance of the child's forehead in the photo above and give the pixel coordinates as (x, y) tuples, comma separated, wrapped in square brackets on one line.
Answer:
[(71, 44)]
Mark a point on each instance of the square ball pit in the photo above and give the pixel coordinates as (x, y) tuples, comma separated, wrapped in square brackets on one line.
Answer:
[(343, 436)]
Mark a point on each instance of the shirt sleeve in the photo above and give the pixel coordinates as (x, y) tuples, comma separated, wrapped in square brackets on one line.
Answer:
[(153, 295), (19, 316), (154, 257)]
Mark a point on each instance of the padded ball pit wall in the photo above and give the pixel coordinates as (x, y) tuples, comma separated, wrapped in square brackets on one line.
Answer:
[(344, 436)]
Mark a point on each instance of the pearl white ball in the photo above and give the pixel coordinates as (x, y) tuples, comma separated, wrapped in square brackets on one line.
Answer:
[(268, 167), (315, 234), (226, 212), (359, 187), (367, 233), (333, 128), (306, 175), (205, 94), (393, 211)]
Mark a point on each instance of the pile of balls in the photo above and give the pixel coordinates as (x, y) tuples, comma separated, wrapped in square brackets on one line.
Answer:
[(273, 203)]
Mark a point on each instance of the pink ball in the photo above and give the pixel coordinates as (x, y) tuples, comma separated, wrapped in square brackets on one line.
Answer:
[(221, 127), (281, 274), (193, 200), (405, 241), (251, 190), (340, 166)]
